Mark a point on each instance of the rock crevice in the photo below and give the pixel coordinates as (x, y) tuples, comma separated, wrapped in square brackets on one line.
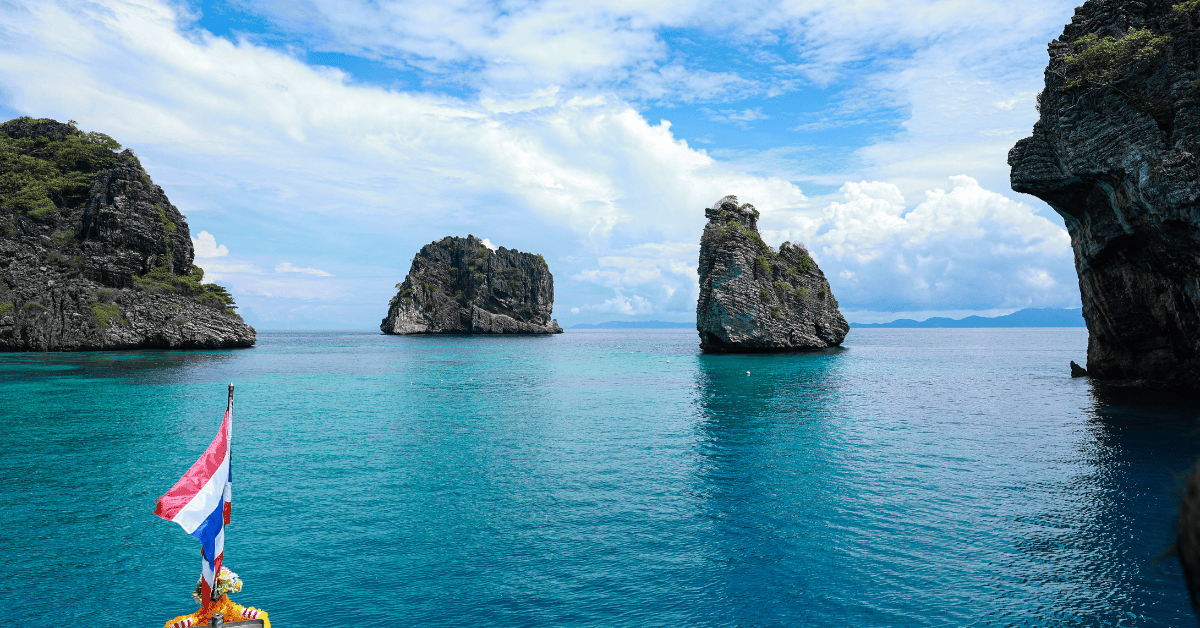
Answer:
[(754, 298)]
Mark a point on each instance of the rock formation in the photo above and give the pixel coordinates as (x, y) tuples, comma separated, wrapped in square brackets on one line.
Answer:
[(459, 286), (754, 298), (1114, 153), (92, 254)]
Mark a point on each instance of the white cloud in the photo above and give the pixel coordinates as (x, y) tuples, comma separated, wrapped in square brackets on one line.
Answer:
[(736, 117), (620, 304), (287, 267), (963, 247), (488, 244), (552, 153), (666, 268), (205, 245)]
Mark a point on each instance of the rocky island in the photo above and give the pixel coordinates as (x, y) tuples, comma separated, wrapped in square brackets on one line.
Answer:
[(460, 286), (756, 299), (93, 256), (1114, 153)]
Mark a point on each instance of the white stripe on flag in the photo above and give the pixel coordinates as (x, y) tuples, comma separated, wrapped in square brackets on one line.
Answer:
[(206, 500)]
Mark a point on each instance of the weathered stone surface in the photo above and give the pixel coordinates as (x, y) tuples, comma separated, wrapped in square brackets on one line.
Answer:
[(754, 298), (1117, 160), (113, 272), (459, 286)]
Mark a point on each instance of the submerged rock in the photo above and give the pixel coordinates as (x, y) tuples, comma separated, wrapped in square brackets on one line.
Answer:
[(1114, 153), (93, 256), (459, 286), (754, 298)]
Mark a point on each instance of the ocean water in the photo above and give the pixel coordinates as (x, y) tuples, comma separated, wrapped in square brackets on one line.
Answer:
[(601, 478)]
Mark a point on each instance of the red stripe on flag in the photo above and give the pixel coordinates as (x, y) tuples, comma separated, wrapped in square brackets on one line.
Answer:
[(202, 470)]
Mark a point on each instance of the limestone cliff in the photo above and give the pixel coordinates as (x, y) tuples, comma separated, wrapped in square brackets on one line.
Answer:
[(93, 255), (459, 286), (754, 298), (1114, 153)]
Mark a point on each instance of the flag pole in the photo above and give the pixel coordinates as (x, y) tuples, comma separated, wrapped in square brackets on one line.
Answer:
[(228, 407)]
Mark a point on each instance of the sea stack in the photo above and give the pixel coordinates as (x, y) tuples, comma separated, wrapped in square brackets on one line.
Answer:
[(756, 299), (1114, 153), (460, 286), (93, 256)]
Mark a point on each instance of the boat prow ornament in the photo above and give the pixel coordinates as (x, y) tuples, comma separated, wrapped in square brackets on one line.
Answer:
[(216, 612), (201, 503)]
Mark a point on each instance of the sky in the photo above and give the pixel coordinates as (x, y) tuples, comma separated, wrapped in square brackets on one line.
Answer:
[(316, 145)]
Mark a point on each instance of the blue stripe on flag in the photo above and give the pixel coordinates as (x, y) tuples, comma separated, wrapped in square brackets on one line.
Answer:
[(209, 529)]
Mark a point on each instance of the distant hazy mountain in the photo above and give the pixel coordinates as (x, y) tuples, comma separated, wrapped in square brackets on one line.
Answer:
[(1028, 317), (633, 325)]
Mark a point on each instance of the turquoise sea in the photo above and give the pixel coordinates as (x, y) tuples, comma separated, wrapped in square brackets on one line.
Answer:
[(601, 478)]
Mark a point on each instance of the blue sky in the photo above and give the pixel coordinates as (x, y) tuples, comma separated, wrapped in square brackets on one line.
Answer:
[(315, 146)]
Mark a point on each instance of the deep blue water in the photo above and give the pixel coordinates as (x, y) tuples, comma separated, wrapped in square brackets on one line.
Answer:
[(601, 478)]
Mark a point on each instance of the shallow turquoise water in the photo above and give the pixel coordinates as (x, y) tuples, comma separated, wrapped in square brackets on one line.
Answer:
[(916, 478)]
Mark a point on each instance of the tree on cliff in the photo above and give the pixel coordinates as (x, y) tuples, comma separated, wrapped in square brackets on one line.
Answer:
[(1106, 61)]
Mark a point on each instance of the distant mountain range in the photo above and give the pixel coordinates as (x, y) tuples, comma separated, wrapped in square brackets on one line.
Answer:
[(1028, 317), (635, 325)]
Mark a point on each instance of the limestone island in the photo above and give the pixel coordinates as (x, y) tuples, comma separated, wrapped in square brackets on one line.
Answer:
[(1114, 153), (460, 286), (756, 299), (93, 256)]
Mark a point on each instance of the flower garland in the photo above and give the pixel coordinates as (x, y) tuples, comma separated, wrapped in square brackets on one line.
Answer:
[(227, 582)]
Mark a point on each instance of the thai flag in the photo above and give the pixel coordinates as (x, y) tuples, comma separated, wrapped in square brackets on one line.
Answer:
[(200, 501)]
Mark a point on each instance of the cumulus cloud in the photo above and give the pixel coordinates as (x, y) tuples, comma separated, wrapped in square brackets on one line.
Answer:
[(665, 272), (287, 267), (962, 247), (205, 245), (488, 244), (551, 151)]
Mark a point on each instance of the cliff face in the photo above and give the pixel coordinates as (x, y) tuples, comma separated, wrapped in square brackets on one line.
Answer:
[(753, 298), (459, 286), (93, 256), (1114, 153)]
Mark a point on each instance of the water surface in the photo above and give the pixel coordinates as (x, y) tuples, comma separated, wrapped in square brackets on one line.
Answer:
[(601, 478)]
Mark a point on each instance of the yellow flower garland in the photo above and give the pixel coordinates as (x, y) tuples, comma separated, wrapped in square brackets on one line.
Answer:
[(227, 582), (224, 606)]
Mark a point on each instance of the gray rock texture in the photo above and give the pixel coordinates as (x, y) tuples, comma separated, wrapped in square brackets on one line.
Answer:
[(459, 286), (754, 298), (1115, 156), (106, 264)]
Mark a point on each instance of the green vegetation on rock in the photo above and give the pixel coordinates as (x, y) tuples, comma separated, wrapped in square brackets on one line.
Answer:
[(105, 315), (1184, 8), (1103, 61), (167, 223), (38, 175), (6, 309), (162, 280), (763, 265)]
